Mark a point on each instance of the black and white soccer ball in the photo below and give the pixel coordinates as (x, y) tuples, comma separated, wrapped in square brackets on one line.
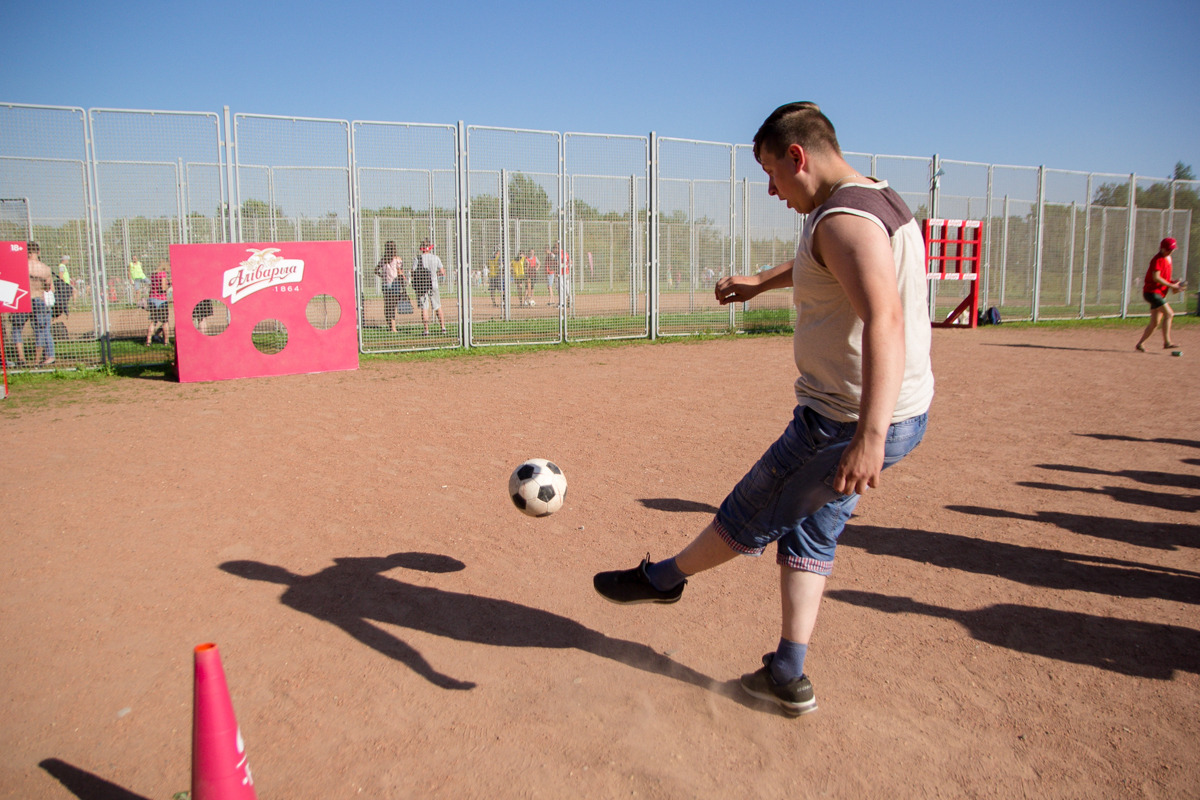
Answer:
[(538, 487)]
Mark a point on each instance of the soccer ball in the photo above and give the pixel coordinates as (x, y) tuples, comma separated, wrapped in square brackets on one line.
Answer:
[(538, 487)]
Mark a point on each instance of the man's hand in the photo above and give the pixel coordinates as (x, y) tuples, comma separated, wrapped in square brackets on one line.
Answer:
[(740, 288), (860, 465), (736, 289)]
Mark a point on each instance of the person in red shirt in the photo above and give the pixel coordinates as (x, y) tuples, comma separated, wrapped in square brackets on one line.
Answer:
[(159, 306), (1158, 282)]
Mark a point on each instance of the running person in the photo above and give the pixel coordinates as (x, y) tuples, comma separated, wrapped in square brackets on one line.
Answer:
[(1154, 290)]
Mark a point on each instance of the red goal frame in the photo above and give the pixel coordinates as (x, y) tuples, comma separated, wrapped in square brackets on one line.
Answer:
[(953, 248)]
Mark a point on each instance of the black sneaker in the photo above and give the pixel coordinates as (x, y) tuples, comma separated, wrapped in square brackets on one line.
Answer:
[(629, 586), (795, 698)]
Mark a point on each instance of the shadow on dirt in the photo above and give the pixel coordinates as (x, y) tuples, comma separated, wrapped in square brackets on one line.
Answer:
[(1121, 494), (354, 595), (1140, 649), (1156, 535), (1118, 437), (85, 785), (1053, 347), (1033, 566), (1152, 478), (676, 505)]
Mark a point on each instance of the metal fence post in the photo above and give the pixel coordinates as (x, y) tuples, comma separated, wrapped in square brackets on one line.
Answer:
[(231, 202), (732, 228), (1087, 243), (653, 237), (987, 251), (99, 272), (1038, 231), (464, 234), (1070, 258), (1129, 231)]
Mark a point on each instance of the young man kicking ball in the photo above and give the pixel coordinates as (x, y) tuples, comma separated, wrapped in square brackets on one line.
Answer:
[(861, 346)]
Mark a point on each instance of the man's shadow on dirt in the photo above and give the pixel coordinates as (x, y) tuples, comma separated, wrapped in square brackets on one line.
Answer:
[(354, 595), (1033, 566), (1130, 647)]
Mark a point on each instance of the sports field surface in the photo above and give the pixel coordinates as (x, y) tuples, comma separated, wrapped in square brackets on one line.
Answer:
[(1013, 613)]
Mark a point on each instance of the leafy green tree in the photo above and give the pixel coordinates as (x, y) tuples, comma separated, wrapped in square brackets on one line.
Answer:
[(258, 209), (485, 206), (527, 199)]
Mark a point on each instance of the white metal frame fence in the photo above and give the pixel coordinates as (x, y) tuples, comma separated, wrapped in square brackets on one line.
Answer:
[(646, 223)]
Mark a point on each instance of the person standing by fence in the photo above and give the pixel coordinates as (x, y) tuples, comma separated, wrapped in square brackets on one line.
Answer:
[(41, 297), (137, 278), (390, 271), (158, 305), (425, 275), (1158, 282)]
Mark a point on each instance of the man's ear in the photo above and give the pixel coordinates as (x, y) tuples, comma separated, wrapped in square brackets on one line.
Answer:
[(796, 153)]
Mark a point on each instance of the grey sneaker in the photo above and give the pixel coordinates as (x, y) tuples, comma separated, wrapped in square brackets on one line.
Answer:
[(795, 698), (629, 586)]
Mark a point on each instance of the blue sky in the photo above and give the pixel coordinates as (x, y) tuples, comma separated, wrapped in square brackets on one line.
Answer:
[(1101, 86)]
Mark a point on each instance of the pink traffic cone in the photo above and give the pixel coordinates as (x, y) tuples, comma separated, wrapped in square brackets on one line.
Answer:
[(220, 770)]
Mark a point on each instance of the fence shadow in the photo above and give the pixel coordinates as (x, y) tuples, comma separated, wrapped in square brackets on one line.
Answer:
[(1121, 494), (354, 595), (84, 785), (1118, 437), (1053, 347), (1152, 478), (1157, 535), (1128, 647), (1033, 566)]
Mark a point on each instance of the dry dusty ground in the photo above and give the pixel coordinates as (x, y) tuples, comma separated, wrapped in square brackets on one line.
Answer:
[(1013, 612)]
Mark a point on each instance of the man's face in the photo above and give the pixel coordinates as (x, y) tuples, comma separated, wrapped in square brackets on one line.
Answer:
[(783, 180)]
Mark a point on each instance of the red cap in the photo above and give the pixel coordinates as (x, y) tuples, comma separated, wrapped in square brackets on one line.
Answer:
[(1168, 243)]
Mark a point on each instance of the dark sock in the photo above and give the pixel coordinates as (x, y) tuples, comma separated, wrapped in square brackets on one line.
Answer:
[(788, 663), (664, 575)]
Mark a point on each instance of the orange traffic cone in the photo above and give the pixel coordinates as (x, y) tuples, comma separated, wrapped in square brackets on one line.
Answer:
[(220, 770)]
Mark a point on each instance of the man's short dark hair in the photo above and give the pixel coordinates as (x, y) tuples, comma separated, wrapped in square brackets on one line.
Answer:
[(796, 123), (33, 247)]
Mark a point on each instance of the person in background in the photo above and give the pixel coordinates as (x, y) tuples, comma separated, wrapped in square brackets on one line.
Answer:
[(158, 305), (41, 297), (1154, 290), (531, 270), (425, 275), (138, 279), (390, 271)]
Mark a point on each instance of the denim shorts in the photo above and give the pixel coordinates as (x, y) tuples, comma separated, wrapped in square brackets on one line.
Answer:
[(788, 497)]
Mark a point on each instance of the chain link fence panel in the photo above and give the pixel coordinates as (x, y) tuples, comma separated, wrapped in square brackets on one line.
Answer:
[(45, 197), (766, 233), (695, 219), (607, 183), (544, 237), (141, 190), (406, 184), (516, 208)]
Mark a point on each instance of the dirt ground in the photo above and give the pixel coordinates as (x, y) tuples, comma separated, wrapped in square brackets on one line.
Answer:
[(1012, 613)]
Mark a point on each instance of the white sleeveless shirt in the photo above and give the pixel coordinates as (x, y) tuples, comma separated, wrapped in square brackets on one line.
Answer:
[(827, 343)]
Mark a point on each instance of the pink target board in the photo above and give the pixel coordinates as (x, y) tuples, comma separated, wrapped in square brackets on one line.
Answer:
[(251, 310), (14, 278)]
